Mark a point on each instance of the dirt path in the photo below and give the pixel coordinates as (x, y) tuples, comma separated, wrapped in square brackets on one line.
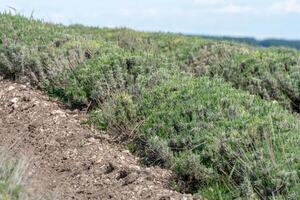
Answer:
[(67, 160)]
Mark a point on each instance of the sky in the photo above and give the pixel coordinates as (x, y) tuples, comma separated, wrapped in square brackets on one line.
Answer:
[(254, 18)]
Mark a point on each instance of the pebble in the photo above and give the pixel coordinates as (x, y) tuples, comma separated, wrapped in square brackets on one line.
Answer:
[(14, 100), (11, 88), (57, 112)]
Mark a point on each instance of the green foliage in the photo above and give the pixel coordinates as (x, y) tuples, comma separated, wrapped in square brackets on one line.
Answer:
[(118, 115), (273, 74), (111, 71), (213, 134)]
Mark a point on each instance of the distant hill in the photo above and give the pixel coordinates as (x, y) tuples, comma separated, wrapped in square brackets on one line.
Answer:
[(264, 43)]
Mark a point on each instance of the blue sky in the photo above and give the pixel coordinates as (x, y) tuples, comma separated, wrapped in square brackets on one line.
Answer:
[(258, 18)]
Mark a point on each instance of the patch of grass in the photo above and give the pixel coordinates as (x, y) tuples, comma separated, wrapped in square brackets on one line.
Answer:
[(10, 177)]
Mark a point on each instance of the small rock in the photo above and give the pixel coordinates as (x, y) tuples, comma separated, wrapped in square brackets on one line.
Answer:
[(93, 157), (14, 100), (130, 178), (57, 112), (126, 151), (107, 168), (92, 140), (11, 88), (15, 106), (122, 174), (135, 167), (37, 103), (98, 161)]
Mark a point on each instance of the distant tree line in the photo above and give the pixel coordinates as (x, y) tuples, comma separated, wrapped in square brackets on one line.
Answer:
[(263, 43)]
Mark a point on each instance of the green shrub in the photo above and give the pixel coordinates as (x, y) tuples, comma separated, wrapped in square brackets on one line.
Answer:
[(211, 134), (273, 74), (118, 115), (112, 71)]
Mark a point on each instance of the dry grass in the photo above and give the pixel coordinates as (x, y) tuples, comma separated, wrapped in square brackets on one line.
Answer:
[(11, 175)]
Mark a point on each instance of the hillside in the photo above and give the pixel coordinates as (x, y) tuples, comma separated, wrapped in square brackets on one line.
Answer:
[(223, 116)]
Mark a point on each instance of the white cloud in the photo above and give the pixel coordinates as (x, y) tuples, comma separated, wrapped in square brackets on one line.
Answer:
[(285, 7)]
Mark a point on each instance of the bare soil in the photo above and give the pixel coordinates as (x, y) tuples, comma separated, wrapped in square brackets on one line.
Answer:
[(67, 160)]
